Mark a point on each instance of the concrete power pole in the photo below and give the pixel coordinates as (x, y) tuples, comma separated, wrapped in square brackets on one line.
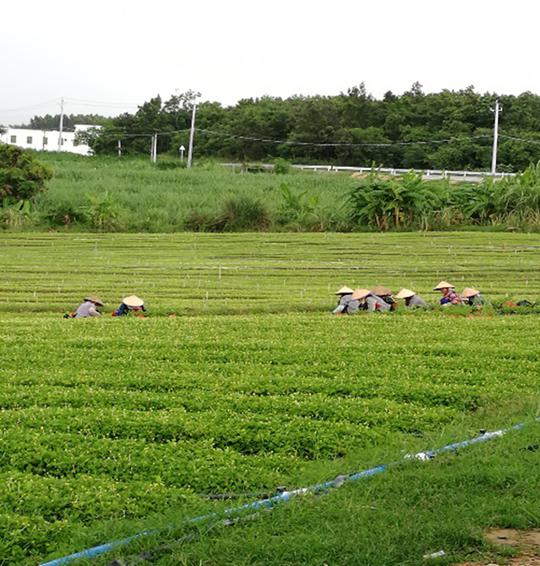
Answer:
[(191, 136), (61, 128), (496, 110), (153, 148)]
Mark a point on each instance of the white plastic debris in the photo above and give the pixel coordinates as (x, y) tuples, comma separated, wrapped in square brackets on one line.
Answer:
[(438, 554)]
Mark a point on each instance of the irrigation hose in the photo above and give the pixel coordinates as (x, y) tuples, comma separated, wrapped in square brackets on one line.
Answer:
[(285, 496)]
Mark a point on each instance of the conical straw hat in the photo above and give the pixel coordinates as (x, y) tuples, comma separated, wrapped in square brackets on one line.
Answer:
[(344, 291), (469, 292), (360, 294), (381, 291), (405, 294), (444, 285), (133, 301), (94, 299)]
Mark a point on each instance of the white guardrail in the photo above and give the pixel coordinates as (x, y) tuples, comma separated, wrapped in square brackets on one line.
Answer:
[(428, 174)]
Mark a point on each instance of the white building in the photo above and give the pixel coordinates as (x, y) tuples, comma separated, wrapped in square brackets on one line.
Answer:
[(47, 140)]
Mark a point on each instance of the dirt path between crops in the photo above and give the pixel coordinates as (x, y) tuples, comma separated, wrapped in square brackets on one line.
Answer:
[(526, 542)]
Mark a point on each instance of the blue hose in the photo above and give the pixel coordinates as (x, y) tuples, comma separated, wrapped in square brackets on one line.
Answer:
[(270, 502)]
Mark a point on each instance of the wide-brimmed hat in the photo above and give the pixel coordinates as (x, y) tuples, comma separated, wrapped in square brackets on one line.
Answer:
[(469, 292), (344, 291), (133, 301), (444, 285), (381, 291), (360, 294), (93, 299), (405, 294)]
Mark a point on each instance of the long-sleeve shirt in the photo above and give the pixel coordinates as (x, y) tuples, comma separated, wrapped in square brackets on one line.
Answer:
[(451, 298), (347, 305), (477, 301), (416, 302), (88, 308), (375, 303)]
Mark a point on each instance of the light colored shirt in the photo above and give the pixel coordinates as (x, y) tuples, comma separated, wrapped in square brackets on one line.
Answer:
[(375, 303), (347, 305), (88, 308), (416, 302)]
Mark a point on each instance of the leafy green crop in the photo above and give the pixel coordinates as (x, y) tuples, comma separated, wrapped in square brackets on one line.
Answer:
[(252, 385)]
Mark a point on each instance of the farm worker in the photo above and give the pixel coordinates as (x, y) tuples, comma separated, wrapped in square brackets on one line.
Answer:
[(449, 295), (386, 295), (89, 307), (130, 304), (473, 297), (370, 302), (412, 300), (346, 304)]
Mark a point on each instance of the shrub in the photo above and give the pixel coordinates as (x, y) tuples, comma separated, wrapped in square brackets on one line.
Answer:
[(393, 203), (197, 221), (170, 164), (22, 177), (243, 213), (103, 212), (17, 216), (281, 166)]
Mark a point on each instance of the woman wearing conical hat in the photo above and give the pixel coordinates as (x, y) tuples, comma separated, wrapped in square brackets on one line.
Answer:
[(449, 295), (473, 297), (346, 304), (130, 304), (412, 299), (386, 295), (369, 301), (88, 308)]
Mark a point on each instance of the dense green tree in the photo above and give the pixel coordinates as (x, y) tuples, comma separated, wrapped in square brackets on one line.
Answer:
[(352, 128), (22, 176)]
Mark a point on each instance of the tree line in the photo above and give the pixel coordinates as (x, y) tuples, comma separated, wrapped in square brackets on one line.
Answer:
[(445, 130)]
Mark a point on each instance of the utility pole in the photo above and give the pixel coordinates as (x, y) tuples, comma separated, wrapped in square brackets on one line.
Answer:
[(498, 108), (61, 128), (153, 148), (191, 136)]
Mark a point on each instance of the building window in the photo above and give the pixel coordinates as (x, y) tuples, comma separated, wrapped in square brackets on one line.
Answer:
[(13, 139), (45, 140), (28, 139)]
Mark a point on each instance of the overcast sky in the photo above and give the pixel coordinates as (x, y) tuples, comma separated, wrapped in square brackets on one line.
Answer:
[(119, 53)]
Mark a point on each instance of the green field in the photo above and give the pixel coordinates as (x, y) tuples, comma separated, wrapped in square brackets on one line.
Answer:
[(109, 426)]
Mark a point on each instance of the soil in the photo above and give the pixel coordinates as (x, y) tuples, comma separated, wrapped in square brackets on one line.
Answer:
[(526, 542)]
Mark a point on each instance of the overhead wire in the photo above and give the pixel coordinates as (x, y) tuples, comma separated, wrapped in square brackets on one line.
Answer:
[(339, 144)]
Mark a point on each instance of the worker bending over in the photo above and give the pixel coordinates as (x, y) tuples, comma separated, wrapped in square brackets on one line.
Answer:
[(88, 308), (473, 298), (386, 295), (346, 304), (449, 295), (412, 300), (130, 304), (369, 301)]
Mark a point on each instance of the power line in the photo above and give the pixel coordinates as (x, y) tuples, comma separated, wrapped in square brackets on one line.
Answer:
[(341, 144), (101, 102), (38, 105), (519, 139)]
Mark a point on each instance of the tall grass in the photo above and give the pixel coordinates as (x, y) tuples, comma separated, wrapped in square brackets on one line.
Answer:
[(132, 194)]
